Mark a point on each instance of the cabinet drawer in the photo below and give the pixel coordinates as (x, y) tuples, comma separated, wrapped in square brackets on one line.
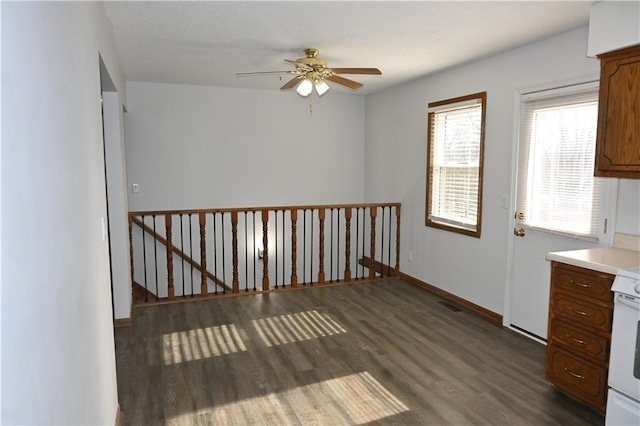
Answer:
[(579, 341), (581, 379), (587, 283), (577, 310)]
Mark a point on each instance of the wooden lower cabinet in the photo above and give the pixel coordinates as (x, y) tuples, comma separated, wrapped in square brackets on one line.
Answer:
[(580, 315)]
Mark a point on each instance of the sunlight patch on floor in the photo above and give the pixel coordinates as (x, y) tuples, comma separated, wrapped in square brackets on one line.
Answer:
[(296, 327), (355, 399), (201, 343)]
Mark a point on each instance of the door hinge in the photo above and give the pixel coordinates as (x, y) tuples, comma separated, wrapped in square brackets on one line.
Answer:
[(605, 226)]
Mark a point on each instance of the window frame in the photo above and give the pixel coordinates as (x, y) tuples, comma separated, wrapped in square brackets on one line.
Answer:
[(481, 98)]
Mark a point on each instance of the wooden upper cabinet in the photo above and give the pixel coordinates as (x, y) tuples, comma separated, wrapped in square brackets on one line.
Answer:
[(618, 140)]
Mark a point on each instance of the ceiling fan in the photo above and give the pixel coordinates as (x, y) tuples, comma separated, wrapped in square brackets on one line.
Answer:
[(312, 71)]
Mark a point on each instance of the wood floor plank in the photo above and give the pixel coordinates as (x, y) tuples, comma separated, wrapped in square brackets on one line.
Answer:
[(364, 353)]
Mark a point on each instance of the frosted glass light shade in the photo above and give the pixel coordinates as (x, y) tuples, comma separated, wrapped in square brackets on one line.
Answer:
[(321, 87), (305, 88)]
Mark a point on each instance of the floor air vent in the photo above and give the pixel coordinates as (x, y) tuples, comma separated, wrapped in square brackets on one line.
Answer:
[(450, 306)]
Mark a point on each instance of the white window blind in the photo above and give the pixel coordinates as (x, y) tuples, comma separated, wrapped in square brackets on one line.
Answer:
[(557, 189), (455, 164)]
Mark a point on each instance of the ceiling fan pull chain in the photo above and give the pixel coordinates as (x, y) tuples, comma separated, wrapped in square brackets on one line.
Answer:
[(310, 106)]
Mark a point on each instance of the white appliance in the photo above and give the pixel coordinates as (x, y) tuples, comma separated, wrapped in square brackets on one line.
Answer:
[(623, 401)]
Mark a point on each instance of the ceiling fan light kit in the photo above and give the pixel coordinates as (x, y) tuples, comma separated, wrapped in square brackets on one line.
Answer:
[(311, 72), (305, 87), (321, 87)]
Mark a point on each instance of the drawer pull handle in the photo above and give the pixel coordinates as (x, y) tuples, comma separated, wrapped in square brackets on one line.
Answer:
[(581, 342), (576, 375), (580, 284), (584, 314)]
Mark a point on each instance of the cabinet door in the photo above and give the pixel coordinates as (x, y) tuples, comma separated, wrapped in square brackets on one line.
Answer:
[(618, 140)]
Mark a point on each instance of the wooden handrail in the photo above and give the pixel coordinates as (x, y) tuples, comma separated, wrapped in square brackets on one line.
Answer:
[(177, 251), (260, 209)]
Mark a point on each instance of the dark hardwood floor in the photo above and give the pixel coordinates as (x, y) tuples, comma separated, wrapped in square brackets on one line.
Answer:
[(367, 353)]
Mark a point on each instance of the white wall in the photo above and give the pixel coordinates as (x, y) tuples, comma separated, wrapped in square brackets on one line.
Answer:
[(58, 360), (206, 147), (474, 269), (613, 25), (628, 218)]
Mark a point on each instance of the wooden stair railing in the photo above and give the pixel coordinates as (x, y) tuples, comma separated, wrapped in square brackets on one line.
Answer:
[(297, 245), (165, 242)]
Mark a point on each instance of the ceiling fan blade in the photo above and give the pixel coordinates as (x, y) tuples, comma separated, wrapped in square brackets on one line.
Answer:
[(298, 64), (292, 83), (249, 74), (344, 81), (370, 71)]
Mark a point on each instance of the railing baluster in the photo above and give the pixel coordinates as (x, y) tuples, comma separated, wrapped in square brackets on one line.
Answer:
[(364, 225), (155, 254), (223, 239), (215, 255), (373, 211), (265, 248), (131, 262), (169, 235), (144, 260), (234, 247), (284, 251), (331, 248), (254, 251), (397, 240), (246, 257), (304, 247), (294, 248), (321, 217), (276, 245), (382, 244), (357, 240), (389, 255), (347, 248), (203, 254), (338, 250), (191, 251), (182, 250)]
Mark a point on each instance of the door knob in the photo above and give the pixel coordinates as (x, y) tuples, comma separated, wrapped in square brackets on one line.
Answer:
[(519, 232)]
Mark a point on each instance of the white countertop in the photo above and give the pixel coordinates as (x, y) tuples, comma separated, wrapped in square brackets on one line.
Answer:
[(603, 259)]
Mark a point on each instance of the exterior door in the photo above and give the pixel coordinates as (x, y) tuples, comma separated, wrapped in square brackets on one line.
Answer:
[(559, 203)]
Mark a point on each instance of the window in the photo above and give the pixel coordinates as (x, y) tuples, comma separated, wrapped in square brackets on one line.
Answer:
[(557, 189), (455, 149)]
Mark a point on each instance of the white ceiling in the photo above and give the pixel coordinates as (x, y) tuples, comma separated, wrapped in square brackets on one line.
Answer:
[(206, 43)]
